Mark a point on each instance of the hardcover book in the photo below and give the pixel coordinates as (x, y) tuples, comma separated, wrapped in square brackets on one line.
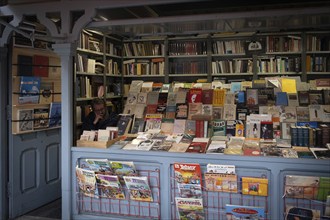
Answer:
[(254, 186), (194, 95), (25, 65), (40, 65)]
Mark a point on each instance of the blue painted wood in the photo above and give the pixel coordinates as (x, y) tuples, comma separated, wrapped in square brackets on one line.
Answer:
[(272, 168)]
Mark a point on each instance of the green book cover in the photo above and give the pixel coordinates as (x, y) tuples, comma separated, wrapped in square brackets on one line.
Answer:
[(324, 188)]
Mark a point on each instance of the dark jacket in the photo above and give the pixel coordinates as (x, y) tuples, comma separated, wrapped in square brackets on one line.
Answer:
[(110, 121)]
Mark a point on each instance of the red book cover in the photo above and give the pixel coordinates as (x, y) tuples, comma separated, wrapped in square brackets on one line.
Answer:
[(195, 95), (199, 128), (151, 109), (197, 147), (188, 173), (207, 96), (40, 65)]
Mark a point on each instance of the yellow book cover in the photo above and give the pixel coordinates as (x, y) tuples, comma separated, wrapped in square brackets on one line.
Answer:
[(289, 85), (219, 97), (254, 186)]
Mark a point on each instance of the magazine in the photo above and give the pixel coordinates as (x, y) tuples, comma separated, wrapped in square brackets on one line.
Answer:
[(188, 173), (55, 114), (190, 190), (86, 182), (190, 208), (293, 213), (29, 90), (304, 187), (221, 182), (109, 186), (234, 212), (254, 186), (139, 188)]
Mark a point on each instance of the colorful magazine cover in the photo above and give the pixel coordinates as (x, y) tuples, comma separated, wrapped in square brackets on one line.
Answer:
[(55, 113), (254, 186), (86, 182), (190, 190), (29, 90), (109, 186), (221, 182), (234, 212), (293, 213), (304, 187), (188, 173), (190, 208), (139, 188)]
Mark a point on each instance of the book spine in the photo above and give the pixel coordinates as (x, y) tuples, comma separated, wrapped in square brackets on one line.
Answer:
[(300, 136), (318, 137), (311, 137), (294, 135), (305, 134), (325, 135)]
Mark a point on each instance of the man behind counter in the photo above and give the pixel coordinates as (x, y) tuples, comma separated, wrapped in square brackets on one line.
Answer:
[(99, 118)]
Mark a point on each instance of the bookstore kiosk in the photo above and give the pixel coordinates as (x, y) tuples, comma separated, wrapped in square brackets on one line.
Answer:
[(172, 63)]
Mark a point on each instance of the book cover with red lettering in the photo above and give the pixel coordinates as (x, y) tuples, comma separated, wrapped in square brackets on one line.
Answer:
[(188, 173)]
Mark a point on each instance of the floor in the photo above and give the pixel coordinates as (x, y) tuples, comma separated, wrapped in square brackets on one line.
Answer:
[(49, 211)]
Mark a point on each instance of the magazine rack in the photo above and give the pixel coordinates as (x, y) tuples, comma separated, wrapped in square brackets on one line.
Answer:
[(160, 164), (304, 201), (214, 202), (124, 207)]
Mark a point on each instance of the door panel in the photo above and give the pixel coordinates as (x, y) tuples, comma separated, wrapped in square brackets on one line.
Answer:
[(34, 170)]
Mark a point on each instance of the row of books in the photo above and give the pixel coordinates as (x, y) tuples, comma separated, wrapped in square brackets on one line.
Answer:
[(184, 143), (39, 118), (108, 179)]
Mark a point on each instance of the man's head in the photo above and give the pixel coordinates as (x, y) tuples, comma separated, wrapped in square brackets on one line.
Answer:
[(99, 107)]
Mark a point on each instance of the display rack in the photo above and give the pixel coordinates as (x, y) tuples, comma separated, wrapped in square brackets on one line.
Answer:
[(125, 207), (215, 202), (272, 168)]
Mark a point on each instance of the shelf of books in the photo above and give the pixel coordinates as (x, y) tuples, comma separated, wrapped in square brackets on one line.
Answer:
[(118, 188), (36, 90)]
